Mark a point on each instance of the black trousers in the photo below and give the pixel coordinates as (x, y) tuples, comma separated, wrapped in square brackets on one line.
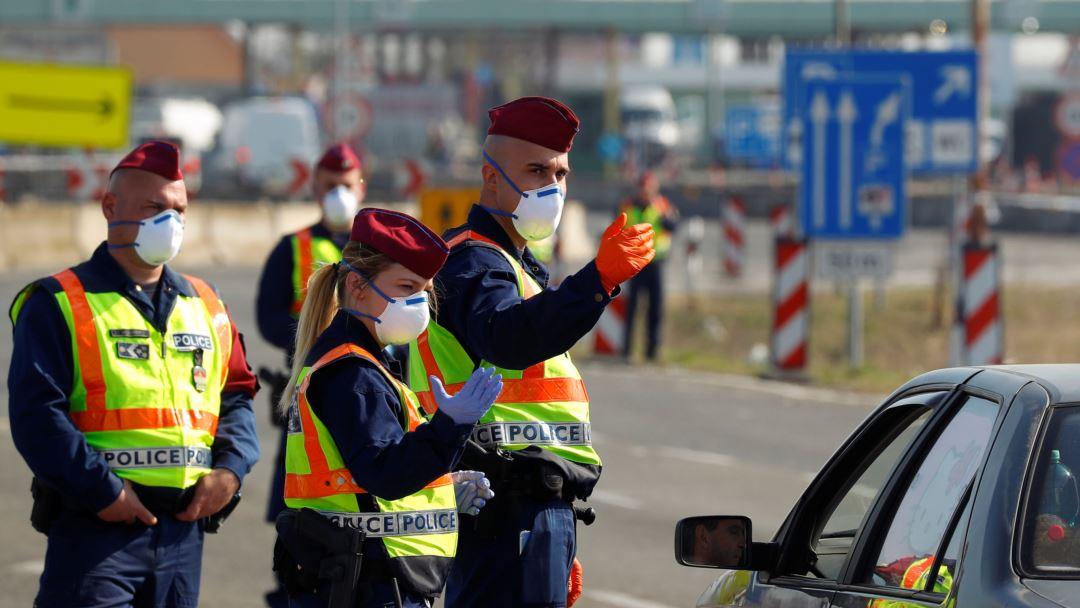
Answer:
[(649, 283)]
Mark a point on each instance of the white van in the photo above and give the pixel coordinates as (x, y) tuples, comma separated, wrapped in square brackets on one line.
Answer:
[(262, 141)]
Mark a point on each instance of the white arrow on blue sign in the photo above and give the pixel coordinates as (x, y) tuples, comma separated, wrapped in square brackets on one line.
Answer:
[(853, 180), (941, 131)]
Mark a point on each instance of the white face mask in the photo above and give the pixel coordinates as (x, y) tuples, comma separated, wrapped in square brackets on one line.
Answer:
[(538, 212), (340, 206), (159, 237), (403, 319)]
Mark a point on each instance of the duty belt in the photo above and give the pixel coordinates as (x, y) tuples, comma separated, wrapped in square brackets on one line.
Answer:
[(396, 523), (159, 458), (494, 434)]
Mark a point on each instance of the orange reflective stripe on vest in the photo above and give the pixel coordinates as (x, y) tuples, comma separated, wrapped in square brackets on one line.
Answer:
[(86, 340), (221, 322), (322, 481), (144, 418), (307, 263)]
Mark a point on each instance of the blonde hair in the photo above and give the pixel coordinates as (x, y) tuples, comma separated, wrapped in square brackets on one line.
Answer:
[(325, 295)]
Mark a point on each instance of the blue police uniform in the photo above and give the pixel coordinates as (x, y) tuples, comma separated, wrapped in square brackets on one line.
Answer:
[(362, 412), (278, 327), (90, 562), (481, 306)]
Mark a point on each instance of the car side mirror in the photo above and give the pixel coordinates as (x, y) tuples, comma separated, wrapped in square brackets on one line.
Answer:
[(714, 541)]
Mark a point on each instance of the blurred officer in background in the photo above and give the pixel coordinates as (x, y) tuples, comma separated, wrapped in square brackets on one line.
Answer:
[(495, 309), (339, 188), (131, 401), (368, 481), (648, 206)]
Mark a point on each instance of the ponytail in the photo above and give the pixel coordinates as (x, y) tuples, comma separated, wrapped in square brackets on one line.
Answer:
[(325, 290), (319, 309)]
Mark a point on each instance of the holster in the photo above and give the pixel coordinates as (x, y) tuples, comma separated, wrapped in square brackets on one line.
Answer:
[(213, 523), (48, 504), (513, 480), (311, 553)]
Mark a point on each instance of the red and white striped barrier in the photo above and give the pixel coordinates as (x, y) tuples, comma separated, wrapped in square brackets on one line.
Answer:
[(791, 305), (609, 335), (733, 247), (87, 178), (980, 306), (781, 220)]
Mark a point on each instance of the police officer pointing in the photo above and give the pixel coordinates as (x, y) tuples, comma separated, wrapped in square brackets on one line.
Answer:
[(495, 310), (130, 400)]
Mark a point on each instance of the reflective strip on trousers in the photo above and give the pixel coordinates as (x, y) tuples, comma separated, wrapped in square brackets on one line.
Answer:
[(158, 458), (396, 523), (494, 434)]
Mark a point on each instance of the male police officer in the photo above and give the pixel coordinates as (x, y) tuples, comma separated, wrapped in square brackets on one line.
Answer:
[(339, 188), (130, 400), (495, 310), (648, 206)]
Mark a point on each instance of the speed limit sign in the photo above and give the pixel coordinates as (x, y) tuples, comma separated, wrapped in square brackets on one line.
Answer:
[(1067, 115)]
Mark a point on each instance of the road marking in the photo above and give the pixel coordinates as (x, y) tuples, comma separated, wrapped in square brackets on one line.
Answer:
[(614, 499), (615, 598), (34, 567), (795, 392), (698, 456)]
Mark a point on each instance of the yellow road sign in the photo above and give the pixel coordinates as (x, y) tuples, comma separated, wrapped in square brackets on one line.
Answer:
[(444, 208), (61, 105)]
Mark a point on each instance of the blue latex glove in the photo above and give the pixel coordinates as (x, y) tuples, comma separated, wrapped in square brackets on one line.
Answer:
[(473, 400), (472, 490)]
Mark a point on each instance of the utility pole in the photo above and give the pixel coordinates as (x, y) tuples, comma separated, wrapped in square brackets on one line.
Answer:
[(842, 34)]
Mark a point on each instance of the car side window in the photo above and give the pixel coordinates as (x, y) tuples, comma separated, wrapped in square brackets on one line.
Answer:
[(919, 524), (833, 542)]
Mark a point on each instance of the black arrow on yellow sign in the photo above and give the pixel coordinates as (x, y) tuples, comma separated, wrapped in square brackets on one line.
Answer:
[(103, 107)]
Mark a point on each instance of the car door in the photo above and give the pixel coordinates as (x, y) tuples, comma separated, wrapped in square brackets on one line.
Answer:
[(817, 539), (909, 550)]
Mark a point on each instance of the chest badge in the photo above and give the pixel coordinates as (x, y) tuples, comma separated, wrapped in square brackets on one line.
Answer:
[(199, 376)]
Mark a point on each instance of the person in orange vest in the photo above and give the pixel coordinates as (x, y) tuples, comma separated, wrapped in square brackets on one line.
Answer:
[(131, 401), (648, 206), (339, 187)]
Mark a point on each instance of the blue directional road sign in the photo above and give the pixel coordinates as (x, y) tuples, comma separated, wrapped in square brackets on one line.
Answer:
[(752, 134), (853, 172), (942, 127)]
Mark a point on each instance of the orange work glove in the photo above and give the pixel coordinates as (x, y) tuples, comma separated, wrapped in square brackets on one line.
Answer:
[(575, 585), (623, 252)]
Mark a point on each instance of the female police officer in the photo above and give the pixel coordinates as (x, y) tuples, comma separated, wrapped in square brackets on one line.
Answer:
[(358, 451)]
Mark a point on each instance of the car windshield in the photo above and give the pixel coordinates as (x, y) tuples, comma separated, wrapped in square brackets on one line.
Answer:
[(1051, 539)]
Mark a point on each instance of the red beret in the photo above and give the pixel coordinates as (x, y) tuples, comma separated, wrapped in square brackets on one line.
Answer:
[(402, 238), (158, 157), (540, 120), (339, 158)]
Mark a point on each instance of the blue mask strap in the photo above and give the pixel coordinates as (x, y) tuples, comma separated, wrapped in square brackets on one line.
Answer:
[(369, 282), (503, 173), (123, 223), (357, 313)]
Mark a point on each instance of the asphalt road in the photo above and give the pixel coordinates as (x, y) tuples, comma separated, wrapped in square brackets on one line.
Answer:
[(674, 444)]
